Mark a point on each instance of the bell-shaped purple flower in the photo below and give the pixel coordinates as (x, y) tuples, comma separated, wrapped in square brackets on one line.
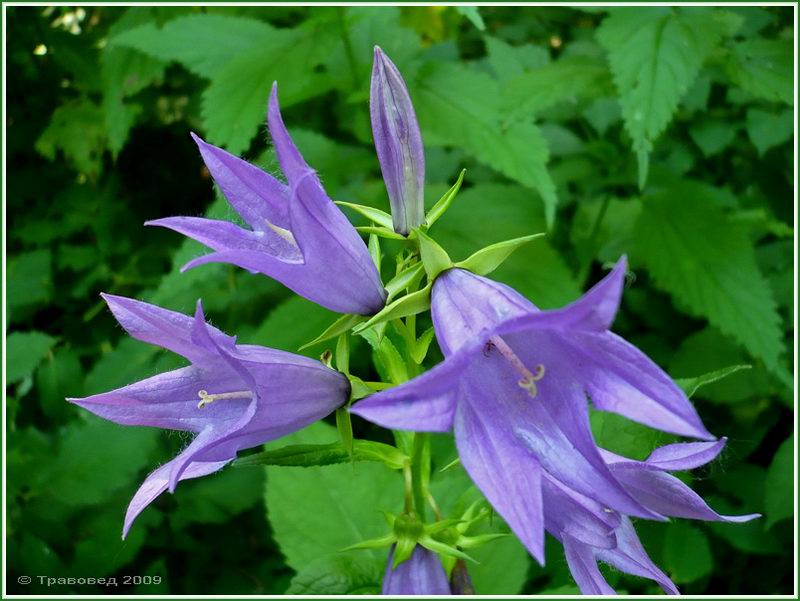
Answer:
[(421, 574), (514, 387), (398, 143), (296, 235), (590, 533), (231, 397)]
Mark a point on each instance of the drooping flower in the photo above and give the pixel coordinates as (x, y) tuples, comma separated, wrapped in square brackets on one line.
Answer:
[(232, 396), (421, 574), (297, 234), (514, 387), (398, 143), (590, 534)]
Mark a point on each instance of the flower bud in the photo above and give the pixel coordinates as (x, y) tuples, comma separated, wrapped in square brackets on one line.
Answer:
[(398, 143)]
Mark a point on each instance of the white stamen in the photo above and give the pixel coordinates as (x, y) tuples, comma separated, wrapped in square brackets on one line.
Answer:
[(528, 380), (206, 399)]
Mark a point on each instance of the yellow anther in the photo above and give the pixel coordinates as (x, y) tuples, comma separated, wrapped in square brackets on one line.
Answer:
[(530, 379), (206, 399)]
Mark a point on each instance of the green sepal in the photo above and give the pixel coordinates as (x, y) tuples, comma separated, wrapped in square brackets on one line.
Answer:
[(403, 550), (690, 385), (343, 354), (404, 279), (444, 202), (374, 246), (455, 462), (345, 428), (441, 525), (443, 549), (359, 388), (410, 304), (421, 346), (375, 215), (373, 543), (382, 232), (310, 455), (470, 542), (487, 259), (344, 324), (434, 257)]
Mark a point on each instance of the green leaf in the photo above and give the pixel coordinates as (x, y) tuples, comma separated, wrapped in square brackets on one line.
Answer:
[(687, 553), (460, 107), (472, 15), (291, 323), (29, 279), (25, 351), (316, 511), (624, 437), (779, 485), (489, 258), (59, 376), (764, 68), (76, 129), (690, 385), (178, 40), (509, 61), (655, 55), (767, 130), (713, 136), (382, 218), (441, 206), (707, 264), (336, 575), (315, 455)]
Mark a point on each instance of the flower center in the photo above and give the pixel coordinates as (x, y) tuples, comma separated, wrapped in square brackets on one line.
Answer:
[(529, 379), (207, 399)]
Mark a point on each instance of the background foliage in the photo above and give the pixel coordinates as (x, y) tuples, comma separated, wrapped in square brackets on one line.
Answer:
[(657, 132)]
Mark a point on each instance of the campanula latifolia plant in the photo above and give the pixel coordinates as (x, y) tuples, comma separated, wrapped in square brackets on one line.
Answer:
[(516, 386)]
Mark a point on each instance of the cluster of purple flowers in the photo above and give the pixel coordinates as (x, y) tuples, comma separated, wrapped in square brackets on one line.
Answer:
[(515, 385)]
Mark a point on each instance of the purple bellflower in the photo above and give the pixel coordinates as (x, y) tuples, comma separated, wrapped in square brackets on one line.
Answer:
[(514, 387), (297, 234), (398, 144), (421, 574), (590, 533), (232, 396)]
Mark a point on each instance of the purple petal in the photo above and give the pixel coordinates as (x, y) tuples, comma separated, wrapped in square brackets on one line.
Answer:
[(292, 163), (464, 306), (157, 482), (568, 513), (257, 196), (668, 495), (224, 236), (507, 475), (425, 404), (685, 455), (398, 143), (621, 379), (596, 309), (164, 328), (420, 574), (583, 567), (631, 558)]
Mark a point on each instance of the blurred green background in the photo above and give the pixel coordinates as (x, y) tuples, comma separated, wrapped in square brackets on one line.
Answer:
[(665, 134)]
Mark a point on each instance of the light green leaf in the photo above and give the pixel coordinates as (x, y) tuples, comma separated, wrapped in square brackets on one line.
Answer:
[(713, 135), (509, 61), (655, 54), (25, 351), (473, 16), (779, 485), (687, 553), (316, 511), (460, 107), (707, 264), (690, 385), (336, 575), (767, 130), (764, 68), (179, 40), (76, 129)]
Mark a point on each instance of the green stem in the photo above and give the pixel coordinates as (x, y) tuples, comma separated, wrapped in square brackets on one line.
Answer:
[(421, 471)]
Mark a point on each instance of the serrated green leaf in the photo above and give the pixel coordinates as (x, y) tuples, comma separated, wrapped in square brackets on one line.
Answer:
[(687, 554), (690, 385), (655, 54), (76, 129), (25, 351), (460, 107), (764, 68), (338, 576), (315, 512), (767, 130), (489, 258), (713, 136), (779, 485), (707, 264)]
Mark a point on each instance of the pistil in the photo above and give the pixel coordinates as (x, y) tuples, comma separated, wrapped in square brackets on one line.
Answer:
[(529, 379)]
